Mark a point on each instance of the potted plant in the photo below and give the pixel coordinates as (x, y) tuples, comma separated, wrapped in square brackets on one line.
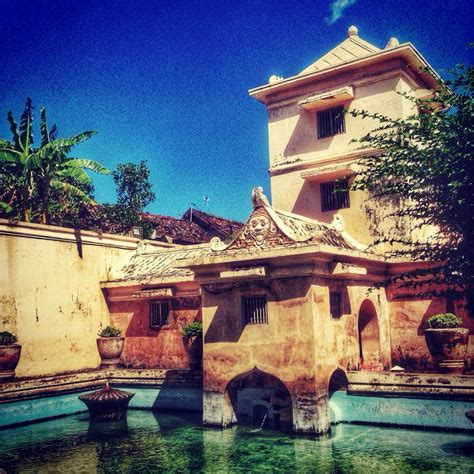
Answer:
[(110, 345), (192, 340), (447, 342), (9, 356)]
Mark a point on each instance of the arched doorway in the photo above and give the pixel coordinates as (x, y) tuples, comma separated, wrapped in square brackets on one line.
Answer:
[(338, 382), (337, 392), (369, 338), (260, 399)]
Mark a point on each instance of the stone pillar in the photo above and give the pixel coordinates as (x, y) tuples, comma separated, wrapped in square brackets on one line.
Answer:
[(217, 409), (311, 413)]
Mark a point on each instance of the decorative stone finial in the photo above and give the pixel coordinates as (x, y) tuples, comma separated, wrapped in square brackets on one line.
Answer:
[(258, 198), (392, 43), (217, 244), (274, 78), (338, 223), (353, 31)]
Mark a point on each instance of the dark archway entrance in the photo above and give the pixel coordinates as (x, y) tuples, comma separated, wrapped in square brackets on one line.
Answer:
[(260, 399), (369, 338), (337, 382)]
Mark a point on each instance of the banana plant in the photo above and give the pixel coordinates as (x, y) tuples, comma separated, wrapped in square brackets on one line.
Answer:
[(18, 158), (47, 169)]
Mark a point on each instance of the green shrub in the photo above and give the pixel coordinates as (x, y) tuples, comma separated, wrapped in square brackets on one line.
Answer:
[(7, 338), (110, 331), (444, 320), (192, 329)]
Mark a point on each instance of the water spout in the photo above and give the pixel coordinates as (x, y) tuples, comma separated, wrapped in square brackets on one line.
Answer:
[(264, 419)]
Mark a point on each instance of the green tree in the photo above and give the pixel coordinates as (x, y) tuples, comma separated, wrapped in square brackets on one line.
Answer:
[(427, 160), (33, 177), (134, 193)]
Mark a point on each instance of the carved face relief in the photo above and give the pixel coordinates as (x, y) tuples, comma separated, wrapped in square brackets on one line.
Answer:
[(258, 228)]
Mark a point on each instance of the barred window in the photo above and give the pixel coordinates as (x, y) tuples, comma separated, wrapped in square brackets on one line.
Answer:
[(335, 304), (254, 310), (331, 122), (335, 195), (159, 312)]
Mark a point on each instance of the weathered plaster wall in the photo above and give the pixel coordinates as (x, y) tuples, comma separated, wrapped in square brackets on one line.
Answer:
[(50, 293), (232, 348), (337, 339), (293, 130), (302, 345), (147, 347), (408, 320), (295, 148), (283, 348)]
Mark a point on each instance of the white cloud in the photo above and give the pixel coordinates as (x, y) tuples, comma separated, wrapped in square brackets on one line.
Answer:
[(337, 8)]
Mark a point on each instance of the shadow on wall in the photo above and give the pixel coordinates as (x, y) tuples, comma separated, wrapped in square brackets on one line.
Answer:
[(227, 323), (308, 203), (304, 138), (181, 389), (369, 334), (162, 346)]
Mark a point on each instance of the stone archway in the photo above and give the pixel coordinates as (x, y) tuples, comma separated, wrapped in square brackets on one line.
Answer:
[(337, 382), (337, 391), (369, 338), (260, 398)]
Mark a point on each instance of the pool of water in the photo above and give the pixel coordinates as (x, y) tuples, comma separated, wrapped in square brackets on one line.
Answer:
[(176, 442)]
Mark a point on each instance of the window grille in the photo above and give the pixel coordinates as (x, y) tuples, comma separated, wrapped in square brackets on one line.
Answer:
[(331, 122), (159, 312), (254, 310), (335, 195), (136, 232), (335, 304)]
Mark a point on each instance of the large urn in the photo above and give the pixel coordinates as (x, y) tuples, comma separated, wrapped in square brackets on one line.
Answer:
[(9, 358), (110, 349), (448, 347)]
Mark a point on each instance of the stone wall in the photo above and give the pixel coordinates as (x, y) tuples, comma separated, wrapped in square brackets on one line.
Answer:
[(407, 323), (161, 347), (302, 345), (50, 294)]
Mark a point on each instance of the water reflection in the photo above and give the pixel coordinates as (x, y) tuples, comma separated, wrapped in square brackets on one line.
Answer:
[(100, 431), (176, 442)]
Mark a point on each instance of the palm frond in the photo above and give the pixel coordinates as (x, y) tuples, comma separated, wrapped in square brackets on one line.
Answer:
[(32, 161), (44, 127), (63, 146), (8, 156), (5, 207), (53, 132), (5, 144), (77, 173), (26, 125), (88, 164), (72, 190), (14, 130)]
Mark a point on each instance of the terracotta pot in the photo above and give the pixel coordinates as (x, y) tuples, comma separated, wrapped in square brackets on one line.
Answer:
[(110, 349), (448, 347), (193, 346), (9, 357)]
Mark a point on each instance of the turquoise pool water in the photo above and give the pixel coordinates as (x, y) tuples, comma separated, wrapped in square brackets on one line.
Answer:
[(176, 442)]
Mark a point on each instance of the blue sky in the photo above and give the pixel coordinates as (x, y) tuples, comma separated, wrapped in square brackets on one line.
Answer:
[(167, 81)]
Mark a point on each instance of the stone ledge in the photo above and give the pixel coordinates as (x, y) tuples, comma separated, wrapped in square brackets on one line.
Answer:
[(411, 385), (37, 387)]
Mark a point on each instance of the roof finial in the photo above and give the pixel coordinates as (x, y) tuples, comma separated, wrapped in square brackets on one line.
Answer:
[(392, 43), (353, 31), (258, 198)]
